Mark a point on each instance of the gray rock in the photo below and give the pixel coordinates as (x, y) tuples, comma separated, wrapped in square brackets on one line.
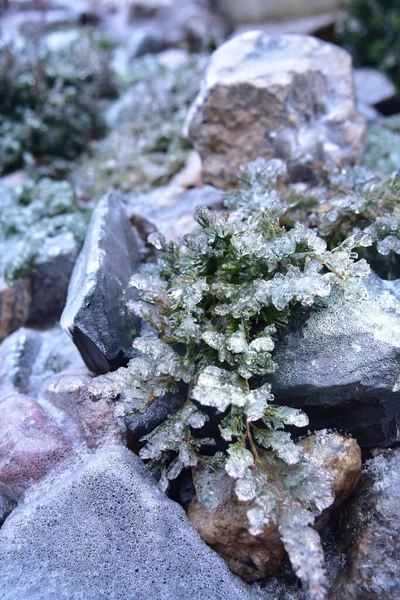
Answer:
[(370, 529), (342, 365), (170, 208), (7, 502), (50, 277), (141, 424), (29, 357), (96, 315), (285, 96), (372, 86), (262, 10), (106, 531)]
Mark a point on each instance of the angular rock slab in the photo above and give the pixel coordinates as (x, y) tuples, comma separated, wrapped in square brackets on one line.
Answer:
[(284, 96), (370, 530), (342, 364), (106, 531), (95, 314)]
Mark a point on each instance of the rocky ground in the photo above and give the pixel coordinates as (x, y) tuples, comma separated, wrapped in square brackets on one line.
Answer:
[(80, 515)]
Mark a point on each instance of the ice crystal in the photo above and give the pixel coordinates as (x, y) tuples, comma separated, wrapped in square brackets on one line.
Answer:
[(219, 298)]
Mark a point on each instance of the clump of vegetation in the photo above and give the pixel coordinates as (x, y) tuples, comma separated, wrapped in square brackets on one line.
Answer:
[(30, 214), (218, 299), (49, 103), (382, 149), (146, 147), (371, 33)]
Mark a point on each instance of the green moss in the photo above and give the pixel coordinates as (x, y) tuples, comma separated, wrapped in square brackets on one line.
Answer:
[(382, 151), (49, 103)]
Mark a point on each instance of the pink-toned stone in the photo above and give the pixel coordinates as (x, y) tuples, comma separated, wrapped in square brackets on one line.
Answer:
[(30, 443), (15, 302), (94, 422)]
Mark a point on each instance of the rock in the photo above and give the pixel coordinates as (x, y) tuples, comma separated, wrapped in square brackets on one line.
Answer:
[(260, 10), (170, 208), (50, 277), (7, 502), (29, 357), (106, 531), (14, 305), (159, 25), (140, 425), (321, 26), (226, 528), (286, 96), (372, 86), (370, 530), (93, 423), (341, 365), (30, 443), (96, 315)]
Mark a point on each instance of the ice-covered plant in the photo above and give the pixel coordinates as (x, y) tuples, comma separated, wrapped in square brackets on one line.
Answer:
[(30, 214), (49, 103), (217, 299)]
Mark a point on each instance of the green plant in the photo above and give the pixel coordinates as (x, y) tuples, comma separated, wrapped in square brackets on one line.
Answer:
[(218, 299), (30, 214), (371, 33), (49, 103)]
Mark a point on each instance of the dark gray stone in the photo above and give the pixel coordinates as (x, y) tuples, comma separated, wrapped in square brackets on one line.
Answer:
[(50, 277), (370, 530), (29, 357), (106, 531), (139, 425), (342, 365), (7, 502), (96, 314)]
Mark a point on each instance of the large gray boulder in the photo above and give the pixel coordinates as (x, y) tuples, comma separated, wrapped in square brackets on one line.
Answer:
[(370, 530), (342, 365), (96, 314), (284, 96), (106, 531)]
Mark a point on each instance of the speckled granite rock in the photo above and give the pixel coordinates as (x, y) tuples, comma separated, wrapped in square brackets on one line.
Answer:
[(285, 96)]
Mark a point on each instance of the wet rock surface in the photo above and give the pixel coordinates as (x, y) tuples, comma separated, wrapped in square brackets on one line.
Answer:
[(226, 528), (71, 540), (342, 365), (370, 530), (285, 96), (96, 315)]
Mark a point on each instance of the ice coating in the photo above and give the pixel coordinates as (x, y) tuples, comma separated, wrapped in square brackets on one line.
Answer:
[(106, 531)]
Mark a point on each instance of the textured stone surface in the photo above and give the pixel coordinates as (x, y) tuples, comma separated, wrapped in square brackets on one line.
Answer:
[(7, 502), (106, 531), (286, 96), (96, 315), (29, 357), (226, 528), (30, 443), (50, 277), (370, 528), (342, 365), (93, 423)]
